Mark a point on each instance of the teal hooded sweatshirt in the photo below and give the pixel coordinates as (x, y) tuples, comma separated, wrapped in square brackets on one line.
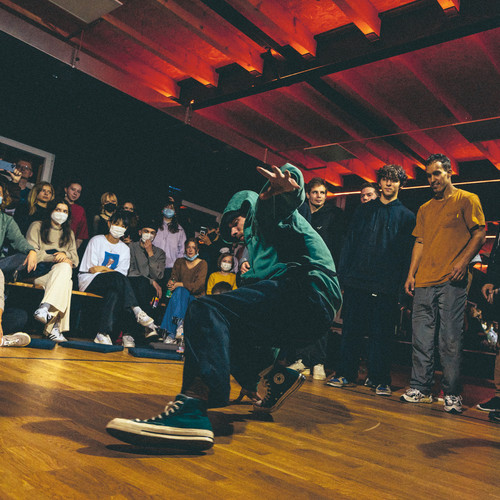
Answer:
[(278, 237)]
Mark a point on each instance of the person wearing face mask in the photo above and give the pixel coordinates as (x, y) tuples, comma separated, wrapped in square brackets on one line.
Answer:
[(55, 246), (109, 203), (132, 231), (187, 282), (103, 271), (36, 209), (225, 263), (147, 264), (170, 237)]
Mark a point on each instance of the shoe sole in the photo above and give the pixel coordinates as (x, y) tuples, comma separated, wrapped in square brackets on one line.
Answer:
[(489, 410), (24, 337), (404, 400), (383, 394), (169, 437), (319, 377), (453, 411), (335, 384), (293, 388)]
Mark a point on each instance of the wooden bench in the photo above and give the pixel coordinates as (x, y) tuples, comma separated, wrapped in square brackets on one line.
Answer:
[(39, 287)]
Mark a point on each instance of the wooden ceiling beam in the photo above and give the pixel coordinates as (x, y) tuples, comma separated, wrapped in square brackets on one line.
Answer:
[(278, 23), (186, 61), (450, 6), (211, 28), (363, 14)]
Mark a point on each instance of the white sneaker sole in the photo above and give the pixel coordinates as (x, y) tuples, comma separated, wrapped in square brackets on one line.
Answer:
[(293, 388), (142, 434)]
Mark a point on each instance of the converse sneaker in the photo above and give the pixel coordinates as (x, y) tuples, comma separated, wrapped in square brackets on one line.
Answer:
[(151, 335), (339, 382), (183, 425), (383, 390), (298, 366), (42, 314), (56, 336), (144, 320), (277, 383), (18, 339), (102, 338), (319, 372), (453, 404), (128, 341), (415, 396), (492, 405)]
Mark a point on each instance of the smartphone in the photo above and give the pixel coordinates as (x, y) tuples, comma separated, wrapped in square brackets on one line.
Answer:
[(5, 165), (203, 231)]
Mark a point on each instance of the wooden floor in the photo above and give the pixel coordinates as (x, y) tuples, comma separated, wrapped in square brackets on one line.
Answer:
[(324, 443)]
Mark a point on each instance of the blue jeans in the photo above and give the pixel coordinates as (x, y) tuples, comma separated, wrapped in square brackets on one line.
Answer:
[(438, 307), (12, 263), (372, 315), (176, 308), (235, 332)]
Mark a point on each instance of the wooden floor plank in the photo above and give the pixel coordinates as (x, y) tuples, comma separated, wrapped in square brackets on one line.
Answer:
[(324, 443)]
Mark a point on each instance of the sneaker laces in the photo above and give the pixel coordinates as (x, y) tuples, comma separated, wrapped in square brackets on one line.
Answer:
[(450, 399), (267, 388), (10, 342), (171, 408)]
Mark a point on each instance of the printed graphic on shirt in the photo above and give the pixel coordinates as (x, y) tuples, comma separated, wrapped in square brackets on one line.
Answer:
[(110, 260)]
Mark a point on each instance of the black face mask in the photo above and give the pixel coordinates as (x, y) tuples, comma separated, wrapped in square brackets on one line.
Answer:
[(110, 207)]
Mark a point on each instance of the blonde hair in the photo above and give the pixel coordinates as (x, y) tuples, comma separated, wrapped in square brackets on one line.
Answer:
[(32, 197), (104, 199)]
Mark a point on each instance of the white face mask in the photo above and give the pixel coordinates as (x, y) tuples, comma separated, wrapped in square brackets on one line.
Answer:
[(117, 231), (226, 266), (146, 237), (59, 217)]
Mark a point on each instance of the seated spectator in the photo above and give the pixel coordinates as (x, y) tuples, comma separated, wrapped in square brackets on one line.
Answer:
[(103, 271), (11, 320), (72, 193), (26, 169), (36, 208), (109, 204), (170, 237), (55, 246), (187, 281), (10, 234), (221, 287), (147, 264), (132, 230), (225, 264)]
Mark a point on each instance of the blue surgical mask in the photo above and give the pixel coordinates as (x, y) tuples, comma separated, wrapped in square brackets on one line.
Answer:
[(1, 200), (191, 258), (168, 212)]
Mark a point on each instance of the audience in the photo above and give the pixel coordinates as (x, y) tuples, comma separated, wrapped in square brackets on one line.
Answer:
[(170, 237), (72, 192), (225, 264), (109, 204), (187, 281), (132, 230), (55, 246), (36, 208), (369, 191), (147, 265), (103, 271), (26, 169)]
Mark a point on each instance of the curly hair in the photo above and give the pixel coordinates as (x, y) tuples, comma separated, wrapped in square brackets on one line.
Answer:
[(394, 173)]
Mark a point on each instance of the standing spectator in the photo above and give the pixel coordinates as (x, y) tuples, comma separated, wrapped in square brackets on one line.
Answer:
[(372, 271), (490, 293), (170, 237), (72, 193), (55, 246), (103, 271), (369, 191), (36, 209), (450, 231), (187, 281), (147, 265), (109, 204)]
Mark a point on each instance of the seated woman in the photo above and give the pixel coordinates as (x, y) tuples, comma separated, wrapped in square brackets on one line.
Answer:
[(36, 209), (11, 235), (12, 320), (225, 263), (103, 271), (187, 281), (55, 246), (109, 203)]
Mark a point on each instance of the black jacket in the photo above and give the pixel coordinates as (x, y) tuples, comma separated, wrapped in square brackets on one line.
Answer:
[(329, 222)]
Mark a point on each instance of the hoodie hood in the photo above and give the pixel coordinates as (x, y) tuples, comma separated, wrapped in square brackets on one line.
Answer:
[(242, 203)]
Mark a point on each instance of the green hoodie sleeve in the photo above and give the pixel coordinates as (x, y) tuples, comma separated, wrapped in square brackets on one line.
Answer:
[(14, 235), (280, 207)]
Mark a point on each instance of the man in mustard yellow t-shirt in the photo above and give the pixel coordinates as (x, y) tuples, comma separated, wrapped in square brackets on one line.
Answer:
[(449, 232)]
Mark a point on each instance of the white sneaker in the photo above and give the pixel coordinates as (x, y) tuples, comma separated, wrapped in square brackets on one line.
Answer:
[(169, 340), (18, 339), (179, 332), (102, 338), (42, 314), (56, 336), (319, 372), (144, 320), (128, 341), (298, 366)]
